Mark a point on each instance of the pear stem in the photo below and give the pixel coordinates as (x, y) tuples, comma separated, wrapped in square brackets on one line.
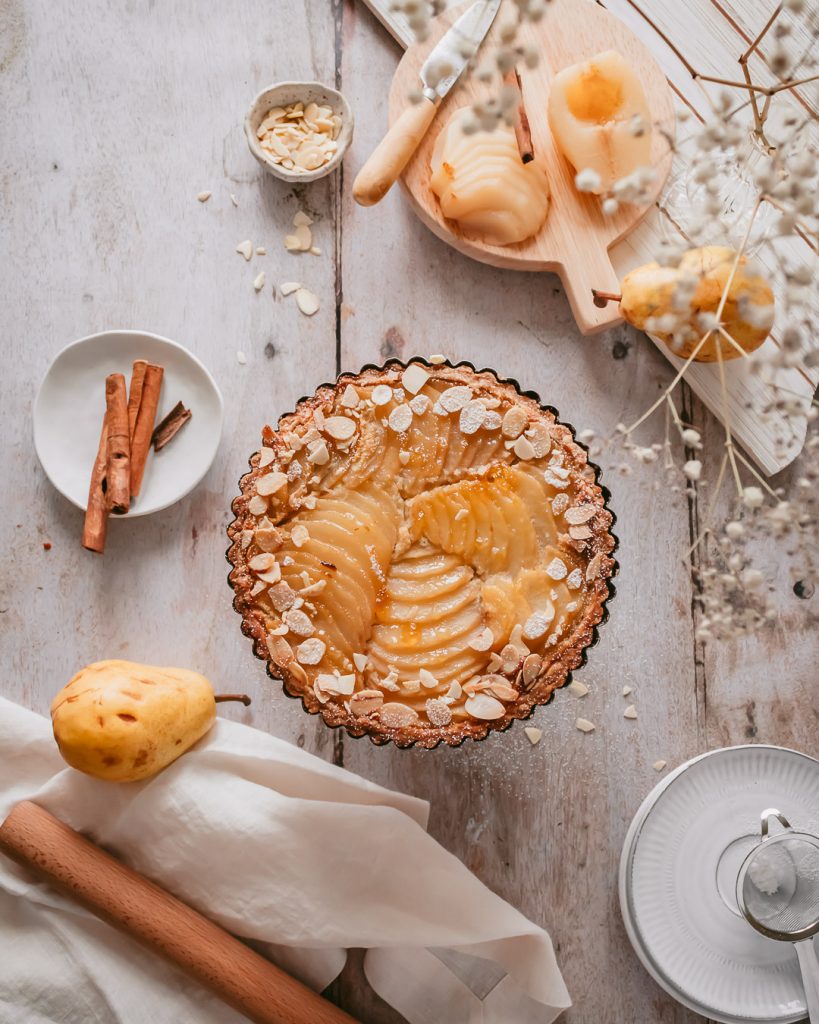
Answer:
[(601, 298), (243, 697)]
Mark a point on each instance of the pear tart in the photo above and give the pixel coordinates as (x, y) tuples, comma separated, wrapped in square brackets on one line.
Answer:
[(421, 553)]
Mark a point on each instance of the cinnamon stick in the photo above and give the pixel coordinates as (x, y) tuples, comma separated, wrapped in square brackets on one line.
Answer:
[(167, 429), (144, 427), (523, 133), (95, 527), (117, 472), (135, 394)]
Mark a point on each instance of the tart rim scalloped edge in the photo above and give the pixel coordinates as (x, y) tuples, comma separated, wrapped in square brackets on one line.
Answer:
[(557, 673)]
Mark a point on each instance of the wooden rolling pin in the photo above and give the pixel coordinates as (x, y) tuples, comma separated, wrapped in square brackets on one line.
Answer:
[(121, 896)]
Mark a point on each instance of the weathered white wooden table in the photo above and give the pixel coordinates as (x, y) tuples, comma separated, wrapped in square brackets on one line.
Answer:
[(113, 118)]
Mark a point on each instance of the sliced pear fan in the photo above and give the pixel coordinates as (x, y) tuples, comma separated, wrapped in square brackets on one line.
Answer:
[(482, 183)]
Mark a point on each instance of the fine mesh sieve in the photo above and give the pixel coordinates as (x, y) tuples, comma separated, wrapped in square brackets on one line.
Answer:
[(778, 893)]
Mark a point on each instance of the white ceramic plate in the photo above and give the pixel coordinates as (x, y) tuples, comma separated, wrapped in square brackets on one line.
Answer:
[(70, 405), (678, 873)]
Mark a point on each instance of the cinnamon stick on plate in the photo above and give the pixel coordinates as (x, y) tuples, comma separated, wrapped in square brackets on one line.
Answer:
[(144, 425), (118, 469), (95, 527), (169, 427), (135, 394), (523, 132)]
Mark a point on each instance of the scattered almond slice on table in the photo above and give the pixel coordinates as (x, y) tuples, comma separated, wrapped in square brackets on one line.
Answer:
[(307, 301), (203, 197), (258, 282), (245, 249), (584, 725), (630, 712), (577, 689), (533, 734), (659, 765)]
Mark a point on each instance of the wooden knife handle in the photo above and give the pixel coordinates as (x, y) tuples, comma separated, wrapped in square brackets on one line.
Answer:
[(234, 972), (393, 153)]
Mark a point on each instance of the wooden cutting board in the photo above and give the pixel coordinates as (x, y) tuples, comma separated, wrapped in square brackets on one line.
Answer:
[(711, 36), (575, 238)]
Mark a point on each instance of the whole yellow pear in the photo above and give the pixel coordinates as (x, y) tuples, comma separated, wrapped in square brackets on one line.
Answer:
[(121, 721), (694, 287)]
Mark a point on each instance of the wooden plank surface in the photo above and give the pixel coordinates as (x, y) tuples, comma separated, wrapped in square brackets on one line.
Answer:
[(113, 119)]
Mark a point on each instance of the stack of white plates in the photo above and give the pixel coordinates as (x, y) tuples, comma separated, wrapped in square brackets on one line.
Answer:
[(678, 874)]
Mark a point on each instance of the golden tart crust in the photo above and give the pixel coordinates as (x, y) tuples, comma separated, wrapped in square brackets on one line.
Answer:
[(421, 553)]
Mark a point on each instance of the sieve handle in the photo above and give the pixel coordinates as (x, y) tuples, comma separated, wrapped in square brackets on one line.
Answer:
[(809, 965)]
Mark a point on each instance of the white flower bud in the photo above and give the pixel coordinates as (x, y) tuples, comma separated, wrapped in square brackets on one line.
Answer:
[(752, 497), (692, 469), (691, 437), (587, 180)]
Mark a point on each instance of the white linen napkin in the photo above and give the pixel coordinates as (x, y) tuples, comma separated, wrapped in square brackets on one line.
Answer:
[(279, 847)]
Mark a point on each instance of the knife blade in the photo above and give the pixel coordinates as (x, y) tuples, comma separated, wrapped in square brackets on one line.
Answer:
[(440, 71)]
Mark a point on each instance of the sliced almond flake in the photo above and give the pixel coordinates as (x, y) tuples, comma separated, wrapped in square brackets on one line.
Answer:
[(323, 698), (279, 649), (303, 236), (437, 712), (261, 251), (455, 690), (573, 581), (396, 716), (579, 514), (245, 249), (270, 483), (472, 417), (360, 661), (427, 679), (292, 243), (390, 681), (659, 765), (309, 501), (537, 625), (420, 404), (301, 219), (258, 281), (514, 422), (503, 691), (410, 686), (262, 562), (532, 734), (314, 250), (584, 725), (455, 398), (266, 456), (257, 506), (494, 663), (288, 287), (307, 301), (577, 689), (531, 668), (556, 569), (491, 421), (366, 701), (241, 359), (540, 439), (342, 685), (350, 398), (233, 199), (319, 454), (556, 481), (630, 712), (381, 394), (595, 567), (484, 707), (437, 359), (404, 457), (510, 658), (203, 197), (400, 419), (560, 503), (299, 535), (580, 532), (340, 428), (257, 588), (481, 641), (626, 691), (414, 378), (310, 652), (523, 449), (246, 539), (282, 596), (298, 623)]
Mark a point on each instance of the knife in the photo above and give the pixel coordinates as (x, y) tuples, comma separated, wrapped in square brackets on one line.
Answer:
[(440, 71)]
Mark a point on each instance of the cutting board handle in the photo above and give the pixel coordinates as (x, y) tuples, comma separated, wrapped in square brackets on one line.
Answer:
[(587, 271), (233, 971)]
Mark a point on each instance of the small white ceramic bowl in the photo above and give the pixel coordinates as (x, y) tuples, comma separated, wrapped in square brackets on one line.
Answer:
[(70, 404), (280, 95)]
